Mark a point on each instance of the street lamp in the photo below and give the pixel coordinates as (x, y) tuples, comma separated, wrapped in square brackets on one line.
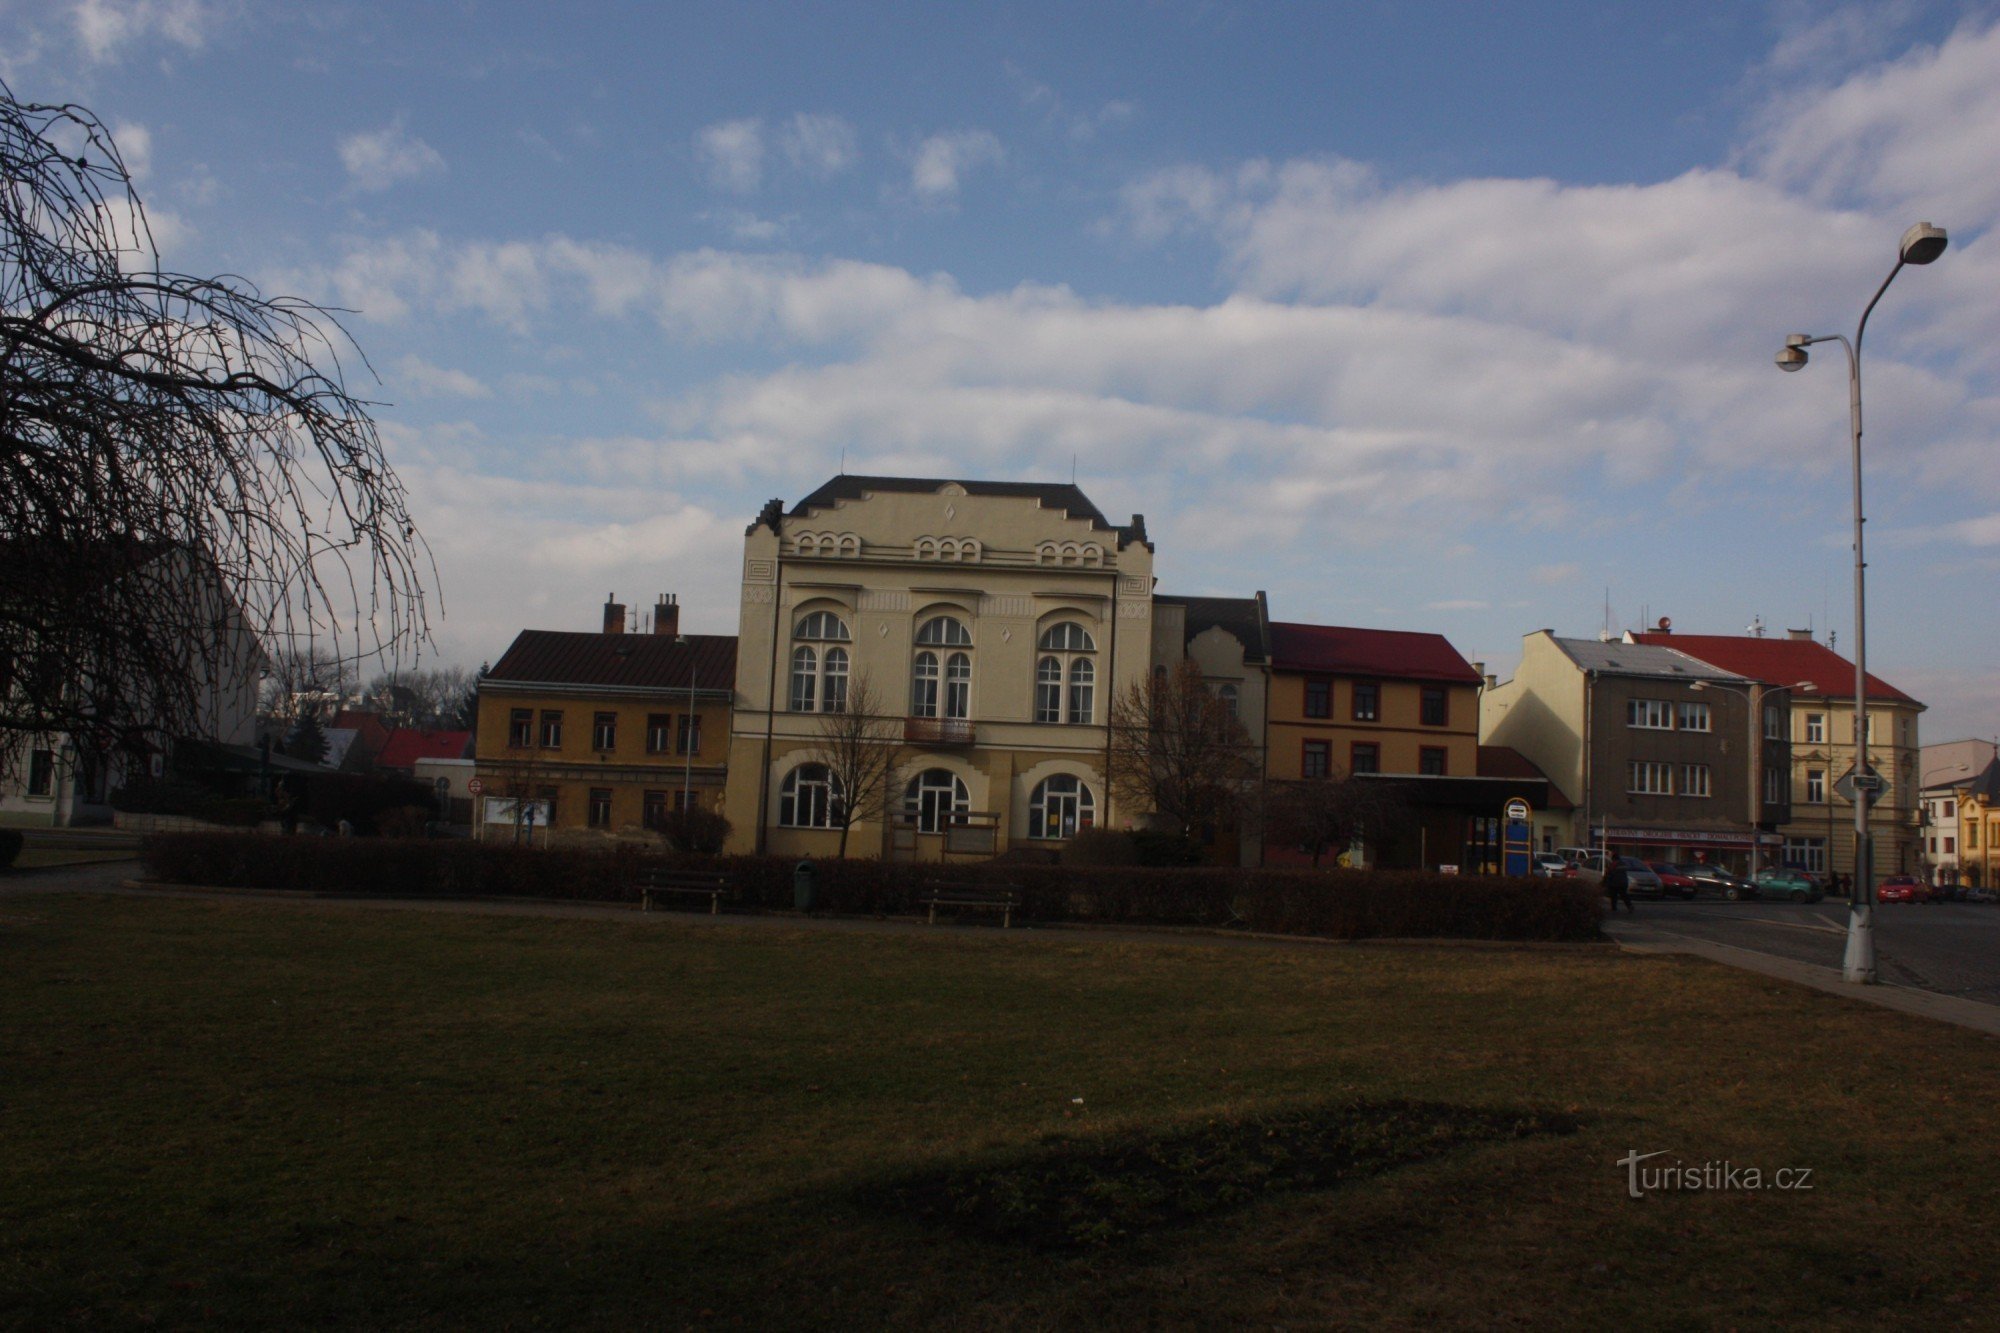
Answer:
[(1920, 245), (687, 765), (1750, 702)]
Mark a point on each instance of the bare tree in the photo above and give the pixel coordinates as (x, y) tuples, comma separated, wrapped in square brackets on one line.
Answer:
[(1322, 813), (184, 474), (1177, 749), (860, 746), (305, 680), (433, 698)]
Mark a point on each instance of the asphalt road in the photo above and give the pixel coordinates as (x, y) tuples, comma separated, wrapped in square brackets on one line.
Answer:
[(1948, 948)]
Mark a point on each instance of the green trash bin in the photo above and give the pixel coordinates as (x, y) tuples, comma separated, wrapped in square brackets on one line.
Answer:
[(805, 883)]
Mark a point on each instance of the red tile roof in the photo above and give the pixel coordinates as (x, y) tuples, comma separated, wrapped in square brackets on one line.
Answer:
[(1504, 761), (1779, 662), (1339, 650), (406, 745), (618, 661)]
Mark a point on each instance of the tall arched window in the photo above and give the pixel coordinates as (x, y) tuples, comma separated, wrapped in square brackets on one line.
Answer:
[(810, 798), (1061, 805), (819, 675), (924, 686), (1229, 700), (956, 670), (931, 798), (1065, 675)]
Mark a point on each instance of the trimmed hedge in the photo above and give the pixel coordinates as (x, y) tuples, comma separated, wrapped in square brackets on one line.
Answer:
[(11, 842), (1344, 904)]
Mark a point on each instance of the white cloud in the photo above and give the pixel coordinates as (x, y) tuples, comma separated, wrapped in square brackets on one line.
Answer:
[(135, 147), (942, 160), (1549, 575), (104, 28), (437, 381), (819, 145), (733, 152), (382, 158)]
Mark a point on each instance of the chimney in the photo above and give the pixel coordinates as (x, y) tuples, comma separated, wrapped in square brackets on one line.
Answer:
[(1799, 635), (614, 614), (667, 614)]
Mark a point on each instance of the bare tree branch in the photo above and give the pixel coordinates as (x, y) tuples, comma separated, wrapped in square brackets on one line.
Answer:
[(860, 746), (1176, 749), (183, 472)]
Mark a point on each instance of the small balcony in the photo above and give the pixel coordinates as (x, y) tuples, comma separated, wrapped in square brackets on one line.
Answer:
[(937, 731)]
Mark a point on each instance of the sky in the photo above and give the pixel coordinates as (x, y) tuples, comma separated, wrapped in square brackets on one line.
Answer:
[(1426, 316)]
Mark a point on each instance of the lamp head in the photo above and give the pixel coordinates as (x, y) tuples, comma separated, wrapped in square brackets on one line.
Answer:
[(1922, 243), (1791, 356)]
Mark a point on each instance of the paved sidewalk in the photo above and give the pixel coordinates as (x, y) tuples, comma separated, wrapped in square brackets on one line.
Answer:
[(1642, 937)]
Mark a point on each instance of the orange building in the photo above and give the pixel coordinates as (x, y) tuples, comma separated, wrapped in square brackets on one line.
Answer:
[(1369, 701), (605, 732)]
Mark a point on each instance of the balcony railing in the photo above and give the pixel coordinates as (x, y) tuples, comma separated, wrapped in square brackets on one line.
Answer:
[(937, 731)]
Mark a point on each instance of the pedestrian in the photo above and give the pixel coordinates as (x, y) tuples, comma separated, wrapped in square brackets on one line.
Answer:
[(1617, 883)]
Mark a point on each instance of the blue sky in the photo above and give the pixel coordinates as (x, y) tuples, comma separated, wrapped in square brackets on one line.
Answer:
[(1423, 316)]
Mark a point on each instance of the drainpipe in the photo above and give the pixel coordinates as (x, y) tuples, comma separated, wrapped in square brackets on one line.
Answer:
[(770, 702)]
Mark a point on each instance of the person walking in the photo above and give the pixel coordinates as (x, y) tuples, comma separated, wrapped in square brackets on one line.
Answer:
[(1617, 883)]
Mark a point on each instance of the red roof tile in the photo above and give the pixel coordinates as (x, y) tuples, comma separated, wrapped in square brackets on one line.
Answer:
[(1778, 662), (1339, 650), (406, 745), (618, 661)]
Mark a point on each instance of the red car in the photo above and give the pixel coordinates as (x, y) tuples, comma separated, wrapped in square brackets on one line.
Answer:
[(1673, 880), (1902, 889)]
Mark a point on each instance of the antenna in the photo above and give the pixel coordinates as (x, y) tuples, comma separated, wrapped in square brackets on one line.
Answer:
[(843, 460), (1072, 469)]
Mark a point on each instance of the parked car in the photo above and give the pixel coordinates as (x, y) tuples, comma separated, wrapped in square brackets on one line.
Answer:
[(1974, 894), (1902, 889), (1550, 866), (1672, 879), (1788, 884), (1725, 882), (1587, 860), (1640, 881)]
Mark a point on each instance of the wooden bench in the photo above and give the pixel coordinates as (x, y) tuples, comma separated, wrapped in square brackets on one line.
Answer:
[(1001, 898), (664, 884)]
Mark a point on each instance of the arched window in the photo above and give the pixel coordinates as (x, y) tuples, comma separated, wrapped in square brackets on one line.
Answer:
[(924, 686), (1228, 695), (819, 677), (945, 631), (932, 797), (1065, 675), (1060, 807), (958, 686), (810, 798)]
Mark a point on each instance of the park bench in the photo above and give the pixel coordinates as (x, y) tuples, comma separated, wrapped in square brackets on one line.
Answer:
[(666, 884), (1001, 898)]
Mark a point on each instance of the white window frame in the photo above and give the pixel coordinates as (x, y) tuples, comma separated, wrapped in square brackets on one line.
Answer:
[(1061, 802), (1815, 786), (819, 674), (1694, 781), (932, 797), (1649, 714), (1649, 777), (1807, 852), (818, 788), (1815, 728), (1692, 715), (1066, 675)]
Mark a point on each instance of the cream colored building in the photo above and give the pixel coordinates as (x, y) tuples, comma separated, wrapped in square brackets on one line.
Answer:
[(995, 621)]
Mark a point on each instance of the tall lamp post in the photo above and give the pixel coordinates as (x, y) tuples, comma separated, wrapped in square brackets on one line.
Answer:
[(693, 729), (1920, 245)]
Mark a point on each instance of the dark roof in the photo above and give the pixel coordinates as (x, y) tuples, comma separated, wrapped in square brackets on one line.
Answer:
[(406, 745), (1242, 617), (1504, 761), (1778, 662), (1050, 494), (1986, 787), (1341, 650), (618, 661)]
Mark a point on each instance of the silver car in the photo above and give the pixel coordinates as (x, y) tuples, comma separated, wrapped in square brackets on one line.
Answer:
[(1640, 881)]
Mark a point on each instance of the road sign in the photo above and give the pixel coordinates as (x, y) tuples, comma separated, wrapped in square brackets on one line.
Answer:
[(1870, 784), (1517, 809), (475, 786)]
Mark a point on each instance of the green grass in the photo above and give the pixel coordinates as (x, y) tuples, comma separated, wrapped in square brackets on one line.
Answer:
[(249, 1114)]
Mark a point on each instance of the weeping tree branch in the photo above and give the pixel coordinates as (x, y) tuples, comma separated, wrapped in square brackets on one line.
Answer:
[(185, 476)]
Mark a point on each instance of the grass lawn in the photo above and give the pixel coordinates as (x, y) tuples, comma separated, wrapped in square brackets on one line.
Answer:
[(278, 1114)]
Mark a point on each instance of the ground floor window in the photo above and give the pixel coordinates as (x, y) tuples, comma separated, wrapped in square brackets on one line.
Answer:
[(1061, 805), (810, 798), (653, 809), (932, 797), (1807, 853), (1431, 761), (600, 807), (42, 773)]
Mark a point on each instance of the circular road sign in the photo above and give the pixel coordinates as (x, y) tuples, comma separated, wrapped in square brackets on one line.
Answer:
[(475, 787)]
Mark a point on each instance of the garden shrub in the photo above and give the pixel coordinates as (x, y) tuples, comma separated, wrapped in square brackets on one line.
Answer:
[(1341, 904)]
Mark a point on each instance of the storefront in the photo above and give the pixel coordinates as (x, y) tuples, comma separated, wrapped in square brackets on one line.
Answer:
[(1741, 852)]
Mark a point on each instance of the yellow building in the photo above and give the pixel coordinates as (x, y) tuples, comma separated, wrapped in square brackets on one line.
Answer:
[(1979, 828), (993, 622), (605, 732)]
